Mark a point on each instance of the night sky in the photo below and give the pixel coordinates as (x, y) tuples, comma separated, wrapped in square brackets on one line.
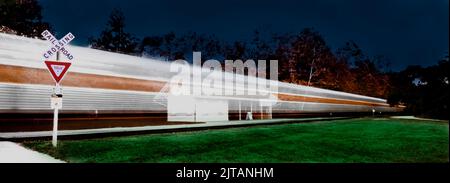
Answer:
[(406, 31)]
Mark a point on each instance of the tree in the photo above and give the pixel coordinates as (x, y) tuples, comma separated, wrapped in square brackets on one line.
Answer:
[(172, 47), (24, 17), (259, 47), (236, 51), (424, 91), (114, 38), (281, 53), (366, 73), (310, 59)]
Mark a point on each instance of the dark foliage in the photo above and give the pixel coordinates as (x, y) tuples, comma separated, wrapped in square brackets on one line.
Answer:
[(23, 17), (114, 38), (424, 91)]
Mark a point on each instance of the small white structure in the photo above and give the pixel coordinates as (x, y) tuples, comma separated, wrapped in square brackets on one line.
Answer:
[(180, 108), (194, 109), (249, 116), (211, 110)]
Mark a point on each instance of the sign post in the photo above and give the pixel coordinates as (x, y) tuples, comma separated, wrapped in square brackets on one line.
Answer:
[(56, 105), (57, 70)]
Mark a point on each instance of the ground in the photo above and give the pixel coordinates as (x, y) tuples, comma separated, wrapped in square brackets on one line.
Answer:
[(12, 153), (355, 140)]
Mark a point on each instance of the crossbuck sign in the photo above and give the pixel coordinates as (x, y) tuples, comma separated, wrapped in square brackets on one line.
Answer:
[(57, 45)]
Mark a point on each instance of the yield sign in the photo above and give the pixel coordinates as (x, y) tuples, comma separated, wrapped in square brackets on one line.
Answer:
[(57, 69)]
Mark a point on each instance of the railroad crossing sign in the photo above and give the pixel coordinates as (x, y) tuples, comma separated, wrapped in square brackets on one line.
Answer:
[(57, 45), (57, 69)]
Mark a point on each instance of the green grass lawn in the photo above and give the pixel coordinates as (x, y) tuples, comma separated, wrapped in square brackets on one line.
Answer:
[(354, 140)]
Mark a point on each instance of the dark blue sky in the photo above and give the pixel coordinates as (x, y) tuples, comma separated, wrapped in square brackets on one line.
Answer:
[(406, 31)]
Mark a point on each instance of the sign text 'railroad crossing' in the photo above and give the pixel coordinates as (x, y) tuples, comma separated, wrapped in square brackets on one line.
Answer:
[(58, 45)]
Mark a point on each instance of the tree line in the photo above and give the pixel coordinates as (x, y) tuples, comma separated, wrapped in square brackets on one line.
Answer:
[(304, 58)]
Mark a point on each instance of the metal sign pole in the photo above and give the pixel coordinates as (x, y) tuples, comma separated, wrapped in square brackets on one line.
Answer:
[(239, 110), (55, 127), (55, 113)]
